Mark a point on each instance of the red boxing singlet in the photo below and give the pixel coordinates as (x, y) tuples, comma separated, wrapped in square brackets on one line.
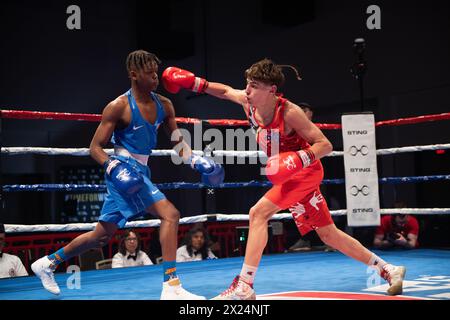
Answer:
[(265, 135), (301, 194)]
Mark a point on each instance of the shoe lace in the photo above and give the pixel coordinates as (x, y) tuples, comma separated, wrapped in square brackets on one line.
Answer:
[(52, 267), (232, 287), (386, 275), (50, 278)]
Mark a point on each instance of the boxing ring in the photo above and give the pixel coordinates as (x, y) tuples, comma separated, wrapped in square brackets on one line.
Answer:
[(306, 275), (313, 275)]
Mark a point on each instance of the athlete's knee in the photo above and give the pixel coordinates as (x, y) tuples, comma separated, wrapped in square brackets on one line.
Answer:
[(327, 235), (100, 239), (172, 215), (252, 214), (326, 238), (259, 214), (103, 240)]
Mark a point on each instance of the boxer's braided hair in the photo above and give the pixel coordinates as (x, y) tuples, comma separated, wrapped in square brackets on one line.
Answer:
[(137, 60), (268, 72)]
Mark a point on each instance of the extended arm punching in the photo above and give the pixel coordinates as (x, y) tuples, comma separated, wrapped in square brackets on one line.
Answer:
[(174, 79)]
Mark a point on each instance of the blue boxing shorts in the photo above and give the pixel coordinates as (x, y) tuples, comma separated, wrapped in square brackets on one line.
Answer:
[(119, 208)]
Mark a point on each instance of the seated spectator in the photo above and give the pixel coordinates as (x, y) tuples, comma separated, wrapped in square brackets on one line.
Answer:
[(10, 265), (196, 247), (130, 254), (398, 230), (212, 241)]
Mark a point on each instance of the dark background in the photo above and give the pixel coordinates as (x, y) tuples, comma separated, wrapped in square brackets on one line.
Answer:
[(46, 67)]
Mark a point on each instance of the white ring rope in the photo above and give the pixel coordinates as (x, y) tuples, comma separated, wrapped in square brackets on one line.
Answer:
[(226, 153), (13, 228)]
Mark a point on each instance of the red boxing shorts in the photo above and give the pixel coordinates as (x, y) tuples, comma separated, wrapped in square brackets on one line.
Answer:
[(302, 196)]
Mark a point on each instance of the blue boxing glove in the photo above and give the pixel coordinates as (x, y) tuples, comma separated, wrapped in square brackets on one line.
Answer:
[(123, 176), (212, 173)]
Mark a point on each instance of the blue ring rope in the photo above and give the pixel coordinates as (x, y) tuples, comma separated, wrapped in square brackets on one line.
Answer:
[(189, 185)]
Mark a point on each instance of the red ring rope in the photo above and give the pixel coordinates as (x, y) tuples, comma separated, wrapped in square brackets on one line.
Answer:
[(16, 114)]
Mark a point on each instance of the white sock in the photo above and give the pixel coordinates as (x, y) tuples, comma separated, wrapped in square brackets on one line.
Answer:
[(379, 264), (248, 273)]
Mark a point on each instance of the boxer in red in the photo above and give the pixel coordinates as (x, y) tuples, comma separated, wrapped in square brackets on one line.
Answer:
[(294, 168)]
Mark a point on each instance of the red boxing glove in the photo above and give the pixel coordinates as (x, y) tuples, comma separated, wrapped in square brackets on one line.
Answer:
[(174, 78), (282, 167)]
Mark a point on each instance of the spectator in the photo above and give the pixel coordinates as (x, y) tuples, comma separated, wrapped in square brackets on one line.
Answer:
[(130, 254), (10, 265), (398, 230), (196, 247), (212, 241)]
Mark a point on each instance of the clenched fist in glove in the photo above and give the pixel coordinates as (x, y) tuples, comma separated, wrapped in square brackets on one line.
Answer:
[(212, 173), (282, 167), (123, 176), (174, 78)]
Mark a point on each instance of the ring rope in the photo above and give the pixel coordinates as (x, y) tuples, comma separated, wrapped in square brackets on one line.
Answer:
[(197, 185), (14, 114), (218, 153), (16, 228), (21, 114)]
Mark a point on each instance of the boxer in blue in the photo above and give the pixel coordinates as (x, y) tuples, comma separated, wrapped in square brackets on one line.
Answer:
[(131, 122)]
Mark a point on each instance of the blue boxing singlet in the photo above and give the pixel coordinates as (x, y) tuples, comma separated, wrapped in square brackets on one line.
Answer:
[(140, 136)]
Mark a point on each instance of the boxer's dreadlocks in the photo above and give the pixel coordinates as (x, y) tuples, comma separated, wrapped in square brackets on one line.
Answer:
[(268, 72), (137, 60)]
